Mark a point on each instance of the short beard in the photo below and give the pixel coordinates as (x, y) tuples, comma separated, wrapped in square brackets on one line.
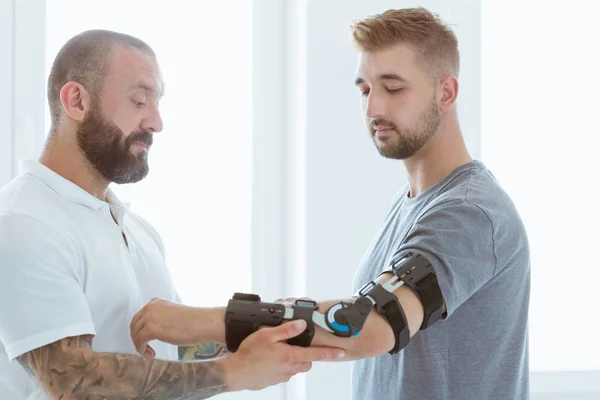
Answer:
[(408, 141)]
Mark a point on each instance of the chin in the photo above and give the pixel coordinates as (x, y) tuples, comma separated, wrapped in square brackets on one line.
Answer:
[(390, 156)]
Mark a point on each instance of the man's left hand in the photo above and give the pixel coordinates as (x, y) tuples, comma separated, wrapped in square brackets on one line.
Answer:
[(168, 322)]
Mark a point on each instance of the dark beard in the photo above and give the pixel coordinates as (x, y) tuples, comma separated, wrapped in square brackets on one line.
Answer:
[(108, 150), (408, 141)]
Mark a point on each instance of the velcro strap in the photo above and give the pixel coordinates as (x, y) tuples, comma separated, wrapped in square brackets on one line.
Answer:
[(305, 338), (236, 331), (394, 315), (389, 308), (418, 273), (245, 314), (432, 299)]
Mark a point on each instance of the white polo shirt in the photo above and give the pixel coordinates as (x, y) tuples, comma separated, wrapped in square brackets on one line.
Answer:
[(65, 270)]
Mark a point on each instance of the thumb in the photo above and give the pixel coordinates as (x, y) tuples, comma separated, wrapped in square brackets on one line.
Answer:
[(288, 330)]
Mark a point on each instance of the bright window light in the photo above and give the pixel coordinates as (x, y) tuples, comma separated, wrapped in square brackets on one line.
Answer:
[(540, 138)]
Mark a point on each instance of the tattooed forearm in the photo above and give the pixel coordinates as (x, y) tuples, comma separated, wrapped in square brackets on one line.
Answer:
[(203, 351), (69, 369)]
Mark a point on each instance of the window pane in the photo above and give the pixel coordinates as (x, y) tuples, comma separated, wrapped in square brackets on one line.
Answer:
[(198, 192), (540, 138)]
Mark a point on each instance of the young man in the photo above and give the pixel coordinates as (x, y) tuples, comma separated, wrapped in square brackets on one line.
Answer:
[(76, 265), (453, 213)]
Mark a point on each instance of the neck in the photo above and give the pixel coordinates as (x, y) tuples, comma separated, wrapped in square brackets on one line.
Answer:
[(62, 155), (444, 152)]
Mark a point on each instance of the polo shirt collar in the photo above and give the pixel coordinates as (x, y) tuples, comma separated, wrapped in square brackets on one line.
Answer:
[(69, 190)]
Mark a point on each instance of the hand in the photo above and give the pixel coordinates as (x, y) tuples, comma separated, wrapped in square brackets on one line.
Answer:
[(166, 321), (264, 359)]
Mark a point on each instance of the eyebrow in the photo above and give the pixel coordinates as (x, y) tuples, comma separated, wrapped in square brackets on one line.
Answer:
[(384, 77), (148, 88)]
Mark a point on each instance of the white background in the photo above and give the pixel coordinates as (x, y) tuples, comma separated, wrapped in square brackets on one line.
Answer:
[(540, 137), (264, 178)]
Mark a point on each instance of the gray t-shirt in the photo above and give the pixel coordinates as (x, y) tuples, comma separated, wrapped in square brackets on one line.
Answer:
[(470, 231)]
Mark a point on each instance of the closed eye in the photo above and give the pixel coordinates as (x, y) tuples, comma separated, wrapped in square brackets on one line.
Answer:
[(394, 90)]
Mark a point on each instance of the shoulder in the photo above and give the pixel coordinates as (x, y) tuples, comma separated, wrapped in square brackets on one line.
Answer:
[(28, 233), (478, 201), (32, 250), (27, 198), (476, 188)]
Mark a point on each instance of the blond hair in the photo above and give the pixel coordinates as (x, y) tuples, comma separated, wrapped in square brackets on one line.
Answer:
[(434, 43)]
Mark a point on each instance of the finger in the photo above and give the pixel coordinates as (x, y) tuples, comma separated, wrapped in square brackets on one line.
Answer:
[(140, 345), (287, 330), (149, 352), (136, 328), (310, 354), (136, 318), (279, 301), (140, 336), (303, 367)]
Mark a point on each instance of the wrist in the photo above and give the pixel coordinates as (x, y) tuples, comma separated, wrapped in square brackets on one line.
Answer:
[(212, 324), (232, 379)]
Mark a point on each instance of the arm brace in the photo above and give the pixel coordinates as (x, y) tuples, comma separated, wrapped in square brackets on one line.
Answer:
[(246, 313)]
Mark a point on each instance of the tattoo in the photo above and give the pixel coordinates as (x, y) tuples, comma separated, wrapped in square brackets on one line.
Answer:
[(69, 369), (203, 351)]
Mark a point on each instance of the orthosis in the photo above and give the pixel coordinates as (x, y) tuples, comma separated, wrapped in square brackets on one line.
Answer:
[(246, 313)]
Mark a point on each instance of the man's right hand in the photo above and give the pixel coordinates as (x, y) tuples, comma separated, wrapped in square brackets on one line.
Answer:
[(265, 359)]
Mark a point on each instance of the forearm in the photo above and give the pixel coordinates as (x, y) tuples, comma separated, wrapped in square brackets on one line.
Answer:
[(376, 337), (211, 324), (203, 351), (80, 373)]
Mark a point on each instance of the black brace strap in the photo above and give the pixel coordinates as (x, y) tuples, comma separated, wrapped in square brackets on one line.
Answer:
[(246, 313), (389, 308), (417, 272), (303, 309)]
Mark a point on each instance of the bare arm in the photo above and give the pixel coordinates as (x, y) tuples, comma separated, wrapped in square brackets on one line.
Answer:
[(69, 369), (178, 324)]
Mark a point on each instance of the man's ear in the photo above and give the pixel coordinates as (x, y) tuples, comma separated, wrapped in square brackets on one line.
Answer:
[(448, 92), (76, 100)]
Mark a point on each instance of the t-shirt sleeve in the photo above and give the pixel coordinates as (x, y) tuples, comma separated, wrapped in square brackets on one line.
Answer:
[(41, 291), (457, 239)]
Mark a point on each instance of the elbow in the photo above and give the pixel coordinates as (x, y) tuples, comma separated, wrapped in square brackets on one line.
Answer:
[(366, 349), (378, 337), (371, 343), (382, 342)]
